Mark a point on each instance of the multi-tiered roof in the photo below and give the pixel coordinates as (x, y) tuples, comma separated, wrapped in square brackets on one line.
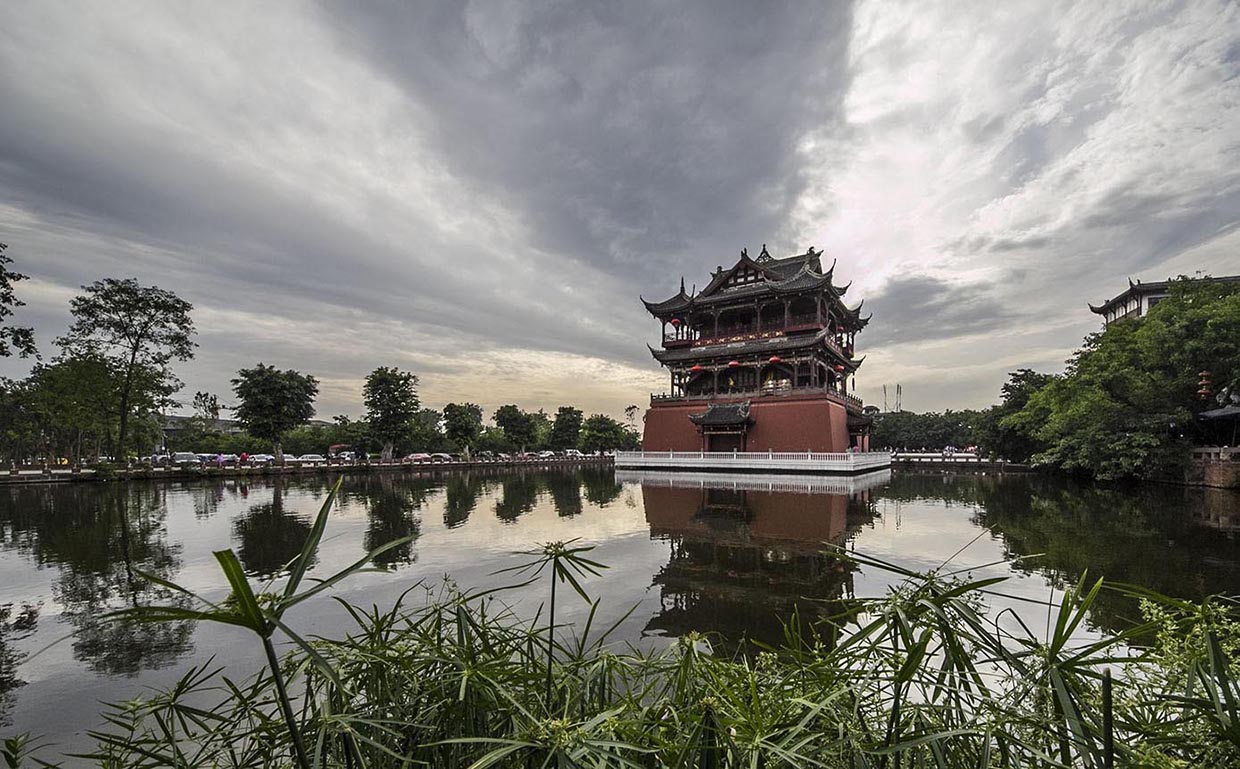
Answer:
[(763, 326)]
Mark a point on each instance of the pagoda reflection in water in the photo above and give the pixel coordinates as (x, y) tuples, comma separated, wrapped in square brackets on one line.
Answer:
[(748, 552)]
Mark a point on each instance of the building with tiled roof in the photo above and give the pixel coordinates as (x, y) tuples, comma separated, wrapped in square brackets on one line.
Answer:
[(772, 335)]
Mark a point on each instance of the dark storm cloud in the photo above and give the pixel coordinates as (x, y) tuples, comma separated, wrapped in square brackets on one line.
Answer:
[(627, 140), (915, 308), (630, 137), (480, 191)]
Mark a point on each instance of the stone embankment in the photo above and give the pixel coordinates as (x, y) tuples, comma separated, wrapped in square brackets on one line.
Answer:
[(85, 474), (1216, 467)]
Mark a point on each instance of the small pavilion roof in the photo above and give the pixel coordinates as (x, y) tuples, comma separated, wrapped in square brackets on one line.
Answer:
[(723, 415), (1231, 411)]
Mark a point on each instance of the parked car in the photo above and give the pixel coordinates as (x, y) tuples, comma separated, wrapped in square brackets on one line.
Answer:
[(185, 459), (546, 455), (312, 459), (260, 460), (441, 457), (418, 457), (573, 454)]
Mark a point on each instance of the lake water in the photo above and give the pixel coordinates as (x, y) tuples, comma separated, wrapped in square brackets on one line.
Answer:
[(728, 555)]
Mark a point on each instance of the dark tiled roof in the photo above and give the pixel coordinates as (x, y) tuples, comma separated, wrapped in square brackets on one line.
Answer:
[(748, 347), (723, 414), (802, 272), (678, 302), (1138, 288)]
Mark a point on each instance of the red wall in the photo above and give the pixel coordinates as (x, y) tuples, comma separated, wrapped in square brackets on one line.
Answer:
[(783, 423)]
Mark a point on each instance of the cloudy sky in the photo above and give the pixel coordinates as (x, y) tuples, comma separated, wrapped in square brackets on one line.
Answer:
[(478, 192)]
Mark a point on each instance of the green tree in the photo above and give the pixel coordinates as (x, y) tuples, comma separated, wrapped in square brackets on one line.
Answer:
[(141, 329), (1125, 407), (12, 338), (271, 402), (391, 398), (462, 424), (518, 426), (72, 401), (566, 430), (542, 429), (602, 433), (19, 429), (206, 406), (1004, 439), (427, 431), (493, 439)]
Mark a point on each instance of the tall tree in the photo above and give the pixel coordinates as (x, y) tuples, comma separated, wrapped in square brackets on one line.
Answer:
[(141, 329), (462, 423), (272, 402), (427, 433), (602, 433), (206, 406), (72, 399), (566, 430), (391, 398), (12, 338), (517, 425)]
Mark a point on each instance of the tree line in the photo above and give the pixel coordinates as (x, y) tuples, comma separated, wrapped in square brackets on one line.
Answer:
[(111, 379), (1127, 405)]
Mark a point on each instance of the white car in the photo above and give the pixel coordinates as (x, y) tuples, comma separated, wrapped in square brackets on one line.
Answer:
[(573, 454), (260, 460), (312, 459)]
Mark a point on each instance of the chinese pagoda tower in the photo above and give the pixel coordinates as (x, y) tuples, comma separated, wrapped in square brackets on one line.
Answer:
[(760, 360)]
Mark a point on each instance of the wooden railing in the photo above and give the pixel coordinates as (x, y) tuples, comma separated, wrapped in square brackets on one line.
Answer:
[(757, 392)]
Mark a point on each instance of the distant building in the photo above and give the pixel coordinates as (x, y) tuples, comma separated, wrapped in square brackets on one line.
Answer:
[(759, 360), (1140, 297)]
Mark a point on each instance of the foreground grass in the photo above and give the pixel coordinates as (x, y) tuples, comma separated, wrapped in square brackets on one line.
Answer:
[(921, 677)]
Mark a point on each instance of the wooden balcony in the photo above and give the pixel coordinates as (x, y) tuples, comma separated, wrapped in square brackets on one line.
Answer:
[(851, 401)]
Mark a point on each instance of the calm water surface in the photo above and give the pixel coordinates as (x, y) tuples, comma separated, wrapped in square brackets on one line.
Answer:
[(729, 555)]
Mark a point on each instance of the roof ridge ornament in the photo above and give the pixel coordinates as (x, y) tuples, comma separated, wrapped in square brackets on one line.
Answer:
[(765, 256)]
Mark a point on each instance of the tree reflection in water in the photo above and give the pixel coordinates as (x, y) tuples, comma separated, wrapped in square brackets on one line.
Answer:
[(462, 497), (15, 624), (101, 539), (391, 504), (565, 489), (600, 485), (268, 539), (519, 495)]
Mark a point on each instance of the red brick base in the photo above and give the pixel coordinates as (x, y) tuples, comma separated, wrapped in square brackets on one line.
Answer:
[(780, 423)]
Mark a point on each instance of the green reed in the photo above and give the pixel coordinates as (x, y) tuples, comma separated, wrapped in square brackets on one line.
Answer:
[(924, 676)]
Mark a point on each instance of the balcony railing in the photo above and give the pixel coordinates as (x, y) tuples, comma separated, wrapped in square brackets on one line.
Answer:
[(758, 392)]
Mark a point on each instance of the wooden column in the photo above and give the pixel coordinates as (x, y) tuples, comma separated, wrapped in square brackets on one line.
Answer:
[(787, 313)]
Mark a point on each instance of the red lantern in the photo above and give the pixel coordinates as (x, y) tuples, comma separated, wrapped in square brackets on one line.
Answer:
[(775, 359), (675, 321), (839, 367), (695, 368), (733, 363)]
